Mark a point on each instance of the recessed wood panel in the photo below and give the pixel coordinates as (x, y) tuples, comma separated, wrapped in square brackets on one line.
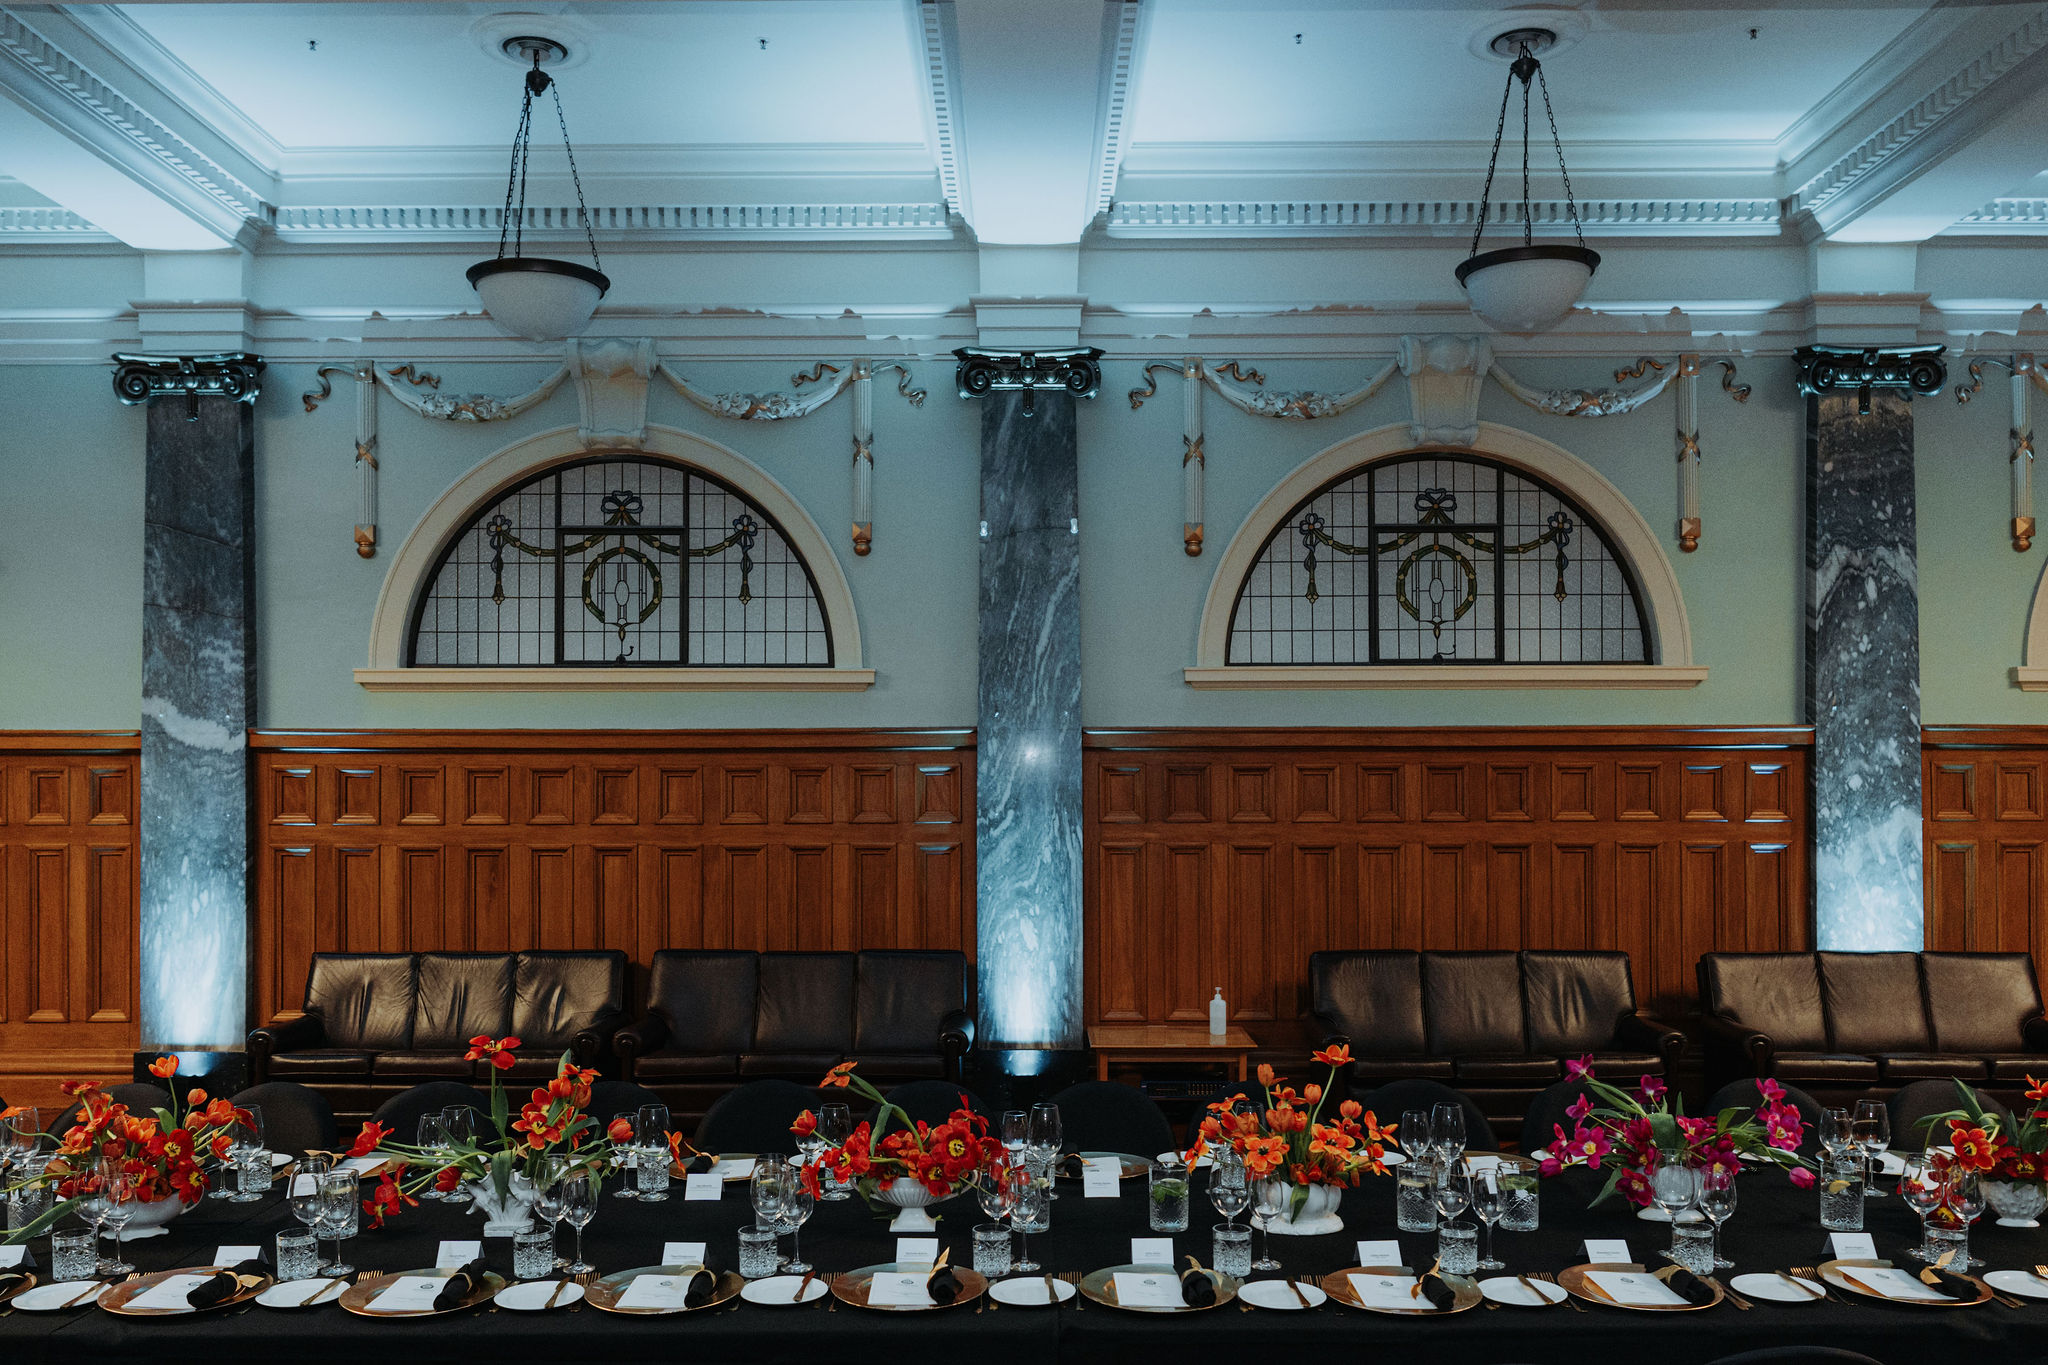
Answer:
[(1119, 917), (810, 796), (1443, 792), (486, 795), (1315, 792), (938, 795), (615, 795), (682, 796), (356, 796), (1251, 792), (551, 796), (1508, 791), (291, 796), (1764, 798), (109, 795), (746, 796), (874, 794), (1703, 791), (419, 796), (1984, 834), (2019, 791), (1379, 792), (1635, 791), (1951, 791), (1571, 791), (1120, 794), (49, 796), (1187, 792)]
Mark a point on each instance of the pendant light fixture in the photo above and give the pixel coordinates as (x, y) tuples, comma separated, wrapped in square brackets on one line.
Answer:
[(534, 296), (1529, 287)]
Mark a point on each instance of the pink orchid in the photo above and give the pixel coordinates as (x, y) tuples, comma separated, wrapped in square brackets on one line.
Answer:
[(1580, 1107), (1651, 1089), (1580, 1070), (1801, 1177)]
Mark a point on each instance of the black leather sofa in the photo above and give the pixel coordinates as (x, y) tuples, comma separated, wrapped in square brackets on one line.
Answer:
[(378, 1023), (1498, 1026), (716, 1018), (1842, 1024)]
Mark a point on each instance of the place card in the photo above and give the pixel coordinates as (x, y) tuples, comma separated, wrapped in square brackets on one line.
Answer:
[(1608, 1251), (1135, 1289), (1636, 1287), (1100, 1176), (703, 1185), (1389, 1291), (455, 1255), (1151, 1251), (655, 1291), (169, 1293), (897, 1289), (1854, 1246), (1380, 1253), (230, 1255), (917, 1251), (409, 1294), (682, 1253), (1893, 1283), (12, 1256)]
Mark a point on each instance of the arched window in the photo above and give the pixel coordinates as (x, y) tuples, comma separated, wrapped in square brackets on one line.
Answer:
[(621, 562), (1437, 558)]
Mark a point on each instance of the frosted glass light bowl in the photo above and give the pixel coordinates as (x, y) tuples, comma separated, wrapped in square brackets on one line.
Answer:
[(538, 298), (1527, 288)]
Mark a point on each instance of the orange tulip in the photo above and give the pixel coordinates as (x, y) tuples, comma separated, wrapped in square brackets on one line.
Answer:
[(164, 1067)]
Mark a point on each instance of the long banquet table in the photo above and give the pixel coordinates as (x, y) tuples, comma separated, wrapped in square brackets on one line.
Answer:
[(1775, 1227)]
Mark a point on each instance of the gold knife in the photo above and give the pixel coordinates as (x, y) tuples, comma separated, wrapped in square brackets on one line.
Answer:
[(333, 1286), (96, 1288), (1804, 1291), (1541, 1298), (560, 1285), (1052, 1296), (1299, 1297), (805, 1287)]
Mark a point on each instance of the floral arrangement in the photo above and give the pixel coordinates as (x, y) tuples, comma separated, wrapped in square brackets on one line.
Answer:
[(159, 1152), (1287, 1139), (939, 1157), (1981, 1143), (551, 1123), (1629, 1131)]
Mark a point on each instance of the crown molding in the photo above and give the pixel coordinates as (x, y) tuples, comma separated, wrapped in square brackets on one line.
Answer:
[(937, 56), (1894, 62), (1113, 104), (1437, 218), (2005, 218), (47, 224), (616, 222)]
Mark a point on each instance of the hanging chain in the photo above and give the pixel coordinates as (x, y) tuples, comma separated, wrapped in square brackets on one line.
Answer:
[(1486, 194), (582, 210), (1571, 207), (1528, 226), (516, 176)]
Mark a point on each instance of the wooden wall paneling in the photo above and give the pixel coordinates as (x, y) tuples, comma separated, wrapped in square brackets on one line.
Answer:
[(507, 840), (1985, 828)]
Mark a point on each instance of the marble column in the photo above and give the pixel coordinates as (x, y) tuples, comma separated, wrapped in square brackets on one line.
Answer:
[(1028, 760), (1863, 655), (198, 695)]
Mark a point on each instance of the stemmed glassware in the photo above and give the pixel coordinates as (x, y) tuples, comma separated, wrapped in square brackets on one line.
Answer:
[(1015, 1128), (1836, 1137), (1674, 1184), (764, 1187), (1269, 1201), (245, 1142), (433, 1136), (1872, 1130), (1447, 1133), (1488, 1206), (111, 1205), (340, 1210), (651, 1126), (1921, 1186), (1414, 1133), (1229, 1188), (1030, 1211), (579, 1206), (797, 1206), (626, 1156), (303, 1198), (458, 1121), (1044, 1142), (1453, 1192), (835, 1126), (1964, 1196), (1717, 1202), (549, 1174)]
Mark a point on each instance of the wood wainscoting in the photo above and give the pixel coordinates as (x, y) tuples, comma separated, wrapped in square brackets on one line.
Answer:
[(423, 840), (68, 894), (1223, 857), (1985, 797)]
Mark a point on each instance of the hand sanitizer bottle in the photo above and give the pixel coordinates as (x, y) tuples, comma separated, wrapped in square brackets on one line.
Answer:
[(1219, 1015)]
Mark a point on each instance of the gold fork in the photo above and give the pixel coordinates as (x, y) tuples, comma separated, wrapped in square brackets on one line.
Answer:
[(1571, 1300), (1073, 1277), (1807, 1272)]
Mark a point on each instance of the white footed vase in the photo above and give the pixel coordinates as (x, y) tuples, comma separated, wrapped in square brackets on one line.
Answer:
[(151, 1220), (2018, 1204), (506, 1218), (1315, 1217), (913, 1199)]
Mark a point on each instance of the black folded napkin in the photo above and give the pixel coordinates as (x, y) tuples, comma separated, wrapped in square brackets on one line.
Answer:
[(1948, 1282), (263, 1263), (1197, 1286), (700, 1164), (460, 1286), (1439, 1294), (703, 1285), (220, 1286), (943, 1285), (1688, 1286)]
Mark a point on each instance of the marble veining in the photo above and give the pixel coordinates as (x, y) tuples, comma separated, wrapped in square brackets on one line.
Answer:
[(198, 689), (1028, 761), (1863, 674)]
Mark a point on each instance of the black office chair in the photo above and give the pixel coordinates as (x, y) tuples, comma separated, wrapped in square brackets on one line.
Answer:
[(296, 1119), (1797, 1355), (1106, 1116), (755, 1117), (1395, 1098), (608, 1098), (1743, 1094), (1547, 1114), (933, 1102), (1913, 1105), (402, 1112)]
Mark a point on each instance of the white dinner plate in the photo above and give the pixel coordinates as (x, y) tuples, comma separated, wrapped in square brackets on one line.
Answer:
[(779, 1291), (298, 1293), (2011, 1281), (1277, 1294), (1028, 1291), (1508, 1290), (532, 1296), (281, 1159), (51, 1298), (1776, 1290)]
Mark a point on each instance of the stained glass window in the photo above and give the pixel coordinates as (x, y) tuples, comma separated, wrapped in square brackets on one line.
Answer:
[(1438, 559), (624, 562)]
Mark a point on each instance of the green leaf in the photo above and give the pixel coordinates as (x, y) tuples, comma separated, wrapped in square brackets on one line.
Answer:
[(501, 1175), (1606, 1191), (1664, 1130)]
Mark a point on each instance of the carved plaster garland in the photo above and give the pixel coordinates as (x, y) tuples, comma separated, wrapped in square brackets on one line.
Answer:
[(2026, 376), (611, 388), (1445, 375)]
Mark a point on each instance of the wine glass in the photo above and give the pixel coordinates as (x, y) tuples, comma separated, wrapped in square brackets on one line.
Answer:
[(764, 1187), (996, 1192), (1675, 1184), (1229, 1190), (1044, 1142), (625, 1154), (1030, 1212), (1965, 1200), (549, 1175), (1872, 1130), (835, 1126), (1414, 1132), (579, 1206), (1269, 1201), (433, 1138), (114, 1202), (1921, 1186), (1016, 1133), (797, 1206), (245, 1141), (303, 1198), (1717, 1202), (1488, 1206), (1453, 1192), (1447, 1132), (340, 1210), (458, 1121), (1835, 1135)]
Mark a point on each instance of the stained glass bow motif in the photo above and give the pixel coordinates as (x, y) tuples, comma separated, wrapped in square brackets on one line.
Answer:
[(1435, 582)]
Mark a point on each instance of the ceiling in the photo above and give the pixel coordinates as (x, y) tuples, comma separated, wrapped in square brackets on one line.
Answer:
[(181, 126)]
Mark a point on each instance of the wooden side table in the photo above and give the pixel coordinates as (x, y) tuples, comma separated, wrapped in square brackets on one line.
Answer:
[(1173, 1043)]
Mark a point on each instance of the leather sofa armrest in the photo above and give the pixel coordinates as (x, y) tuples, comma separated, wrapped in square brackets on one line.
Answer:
[(282, 1035), (639, 1038), (593, 1041), (2035, 1032), (1754, 1047), (956, 1040), (1638, 1029), (1324, 1027)]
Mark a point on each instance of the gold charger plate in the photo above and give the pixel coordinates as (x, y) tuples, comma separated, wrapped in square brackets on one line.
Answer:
[(1831, 1272), (1100, 1286), (852, 1287), (1337, 1284), (115, 1300), (28, 1282), (1129, 1167), (356, 1299), (1574, 1282), (606, 1291)]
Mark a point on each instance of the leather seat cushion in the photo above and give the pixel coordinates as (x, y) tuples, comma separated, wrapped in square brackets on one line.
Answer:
[(555, 996), (364, 1000), (1371, 1071), (1374, 998), (1824, 1066), (1777, 994), (805, 1006), (1980, 1002), (1873, 1002), (462, 996), (1502, 1067), (319, 1064), (706, 997), (808, 1067), (1572, 999), (1472, 1004), (900, 998), (664, 1065), (1918, 1066), (424, 1066), (537, 1068), (2017, 1066)]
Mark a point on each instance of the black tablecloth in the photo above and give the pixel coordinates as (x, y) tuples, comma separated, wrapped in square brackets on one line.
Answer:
[(1775, 1227)]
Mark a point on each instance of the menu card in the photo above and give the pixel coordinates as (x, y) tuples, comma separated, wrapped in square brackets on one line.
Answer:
[(1380, 1253), (1389, 1291), (363, 1165), (703, 1185), (682, 1253), (1636, 1287), (1893, 1283), (409, 1294), (732, 1167), (229, 1255), (897, 1289), (1151, 1251), (1608, 1251), (1854, 1246), (917, 1251), (169, 1293), (655, 1291), (1099, 1177), (1135, 1289), (455, 1255)]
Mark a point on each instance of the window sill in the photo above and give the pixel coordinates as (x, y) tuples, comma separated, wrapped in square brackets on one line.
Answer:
[(2030, 678), (615, 679), (1436, 676)]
